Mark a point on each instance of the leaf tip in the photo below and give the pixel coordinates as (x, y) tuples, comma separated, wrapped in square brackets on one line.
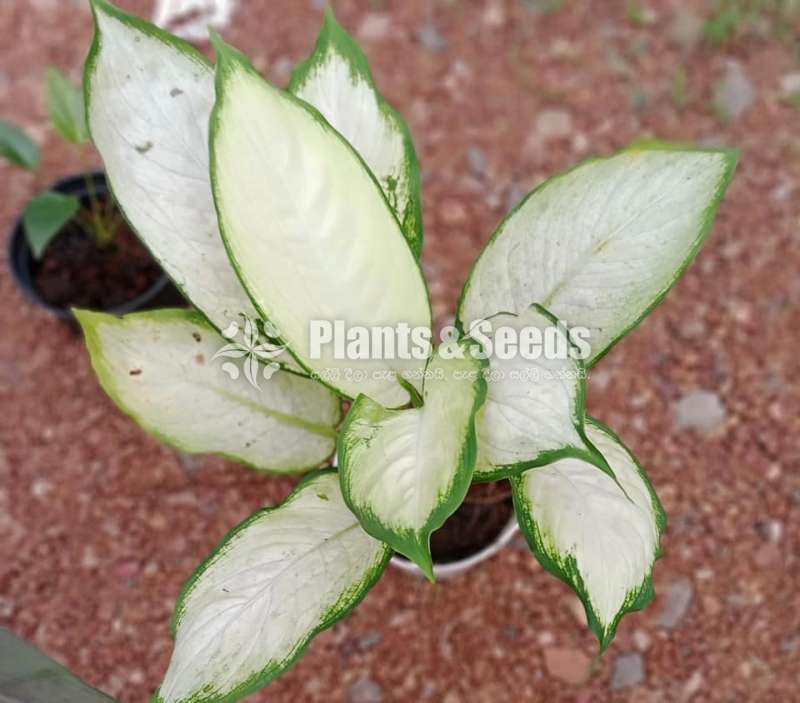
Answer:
[(419, 551), (228, 56), (219, 44), (330, 15), (87, 319), (426, 565)]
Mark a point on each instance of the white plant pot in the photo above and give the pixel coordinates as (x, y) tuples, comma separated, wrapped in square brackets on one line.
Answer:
[(453, 568)]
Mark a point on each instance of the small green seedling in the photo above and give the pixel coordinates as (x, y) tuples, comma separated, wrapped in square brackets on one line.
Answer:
[(301, 207), (47, 213)]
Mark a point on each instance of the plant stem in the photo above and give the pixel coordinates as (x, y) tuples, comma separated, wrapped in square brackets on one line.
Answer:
[(101, 226)]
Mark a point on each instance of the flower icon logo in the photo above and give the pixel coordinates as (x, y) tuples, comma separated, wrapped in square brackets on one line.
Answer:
[(254, 353)]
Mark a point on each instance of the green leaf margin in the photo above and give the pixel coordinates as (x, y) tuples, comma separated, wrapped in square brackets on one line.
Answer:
[(228, 57), (89, 320), (589, 453), (333, 38), (567, 569), (347, 602), (731, 159), (415, 543)]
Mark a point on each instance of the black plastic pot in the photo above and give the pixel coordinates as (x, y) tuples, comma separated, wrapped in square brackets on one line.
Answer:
[(23, 264)]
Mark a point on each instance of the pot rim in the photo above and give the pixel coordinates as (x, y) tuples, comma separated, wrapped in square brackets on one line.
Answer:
[(453, 568), (19, 257)]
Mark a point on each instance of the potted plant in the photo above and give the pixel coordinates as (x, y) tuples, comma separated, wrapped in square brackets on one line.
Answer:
[(300, 209), (71, 246)]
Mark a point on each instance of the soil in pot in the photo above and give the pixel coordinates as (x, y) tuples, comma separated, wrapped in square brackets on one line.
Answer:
[(75, 272), (478, 521)]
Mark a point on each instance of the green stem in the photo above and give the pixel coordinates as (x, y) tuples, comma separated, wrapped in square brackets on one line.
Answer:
[(100, 228)]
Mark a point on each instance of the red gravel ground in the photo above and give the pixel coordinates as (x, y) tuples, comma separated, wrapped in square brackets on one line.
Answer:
[(100, 525)]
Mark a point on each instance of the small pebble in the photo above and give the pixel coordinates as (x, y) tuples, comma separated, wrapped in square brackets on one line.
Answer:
[(375, 26), (735, 92), (770, 530), (40, 488), (642, 640), (365, 691), (368, 640), (494, 15), (477, 161), (699, 410), (7, 608), (514, 196), (570, 665), (678, 599), (627, 671), (545, 638), (553, 124), (686, 30), (693, 685), (790, 84), (453, 212), (430, 38)]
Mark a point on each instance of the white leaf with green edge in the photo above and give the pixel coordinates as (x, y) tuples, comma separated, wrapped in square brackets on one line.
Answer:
[(149, 97), (404, 472), (158, 367), (584, 528), (308, 229), (601, 245), (535, 404), (336, 79), (274, 582), (45, 216), (18, 147), (66, 107)]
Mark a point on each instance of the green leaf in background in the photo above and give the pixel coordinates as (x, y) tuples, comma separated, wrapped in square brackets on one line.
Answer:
[(18, 147), (65, 103), (44, 217)]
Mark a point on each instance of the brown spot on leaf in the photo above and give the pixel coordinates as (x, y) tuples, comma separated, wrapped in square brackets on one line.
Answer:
[(197, 337), (135, 372), (200, 359)]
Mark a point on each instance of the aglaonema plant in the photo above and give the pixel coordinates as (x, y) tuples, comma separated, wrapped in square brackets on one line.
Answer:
[(47, 213), (304, 204)]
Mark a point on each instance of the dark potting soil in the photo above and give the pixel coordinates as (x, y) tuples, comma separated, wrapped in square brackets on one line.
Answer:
[(75, 272), (478, 521)]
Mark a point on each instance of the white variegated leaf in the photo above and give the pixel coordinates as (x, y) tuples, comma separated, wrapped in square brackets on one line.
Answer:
[(274, 582), (599, 535), (337, 81), (159, 367), (600, 246), (534, 409), (149, 97), (404, 472), (308, 229)]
